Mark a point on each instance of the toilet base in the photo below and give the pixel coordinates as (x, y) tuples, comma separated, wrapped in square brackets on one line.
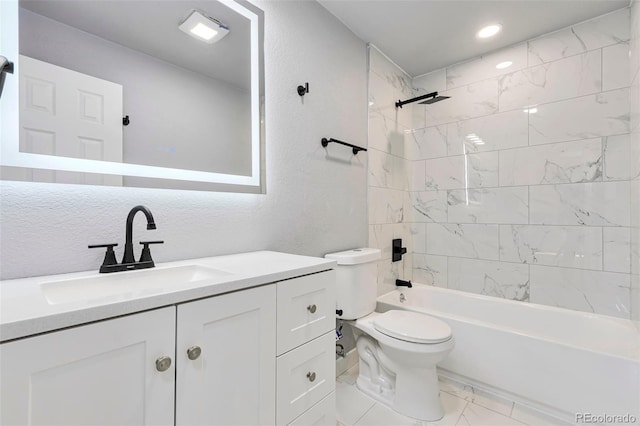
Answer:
[(427, 408), (410, 390)]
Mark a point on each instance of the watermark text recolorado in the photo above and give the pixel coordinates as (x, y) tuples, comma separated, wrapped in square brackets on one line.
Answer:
[(606, 418)]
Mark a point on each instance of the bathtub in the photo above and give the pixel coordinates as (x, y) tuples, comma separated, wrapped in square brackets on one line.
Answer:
[(558, 361)]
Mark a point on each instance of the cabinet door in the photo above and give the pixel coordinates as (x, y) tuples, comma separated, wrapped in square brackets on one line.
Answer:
[(98, 374), (232, 381)]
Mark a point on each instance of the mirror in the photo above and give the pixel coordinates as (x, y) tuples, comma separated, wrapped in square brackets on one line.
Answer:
[(117, 93)]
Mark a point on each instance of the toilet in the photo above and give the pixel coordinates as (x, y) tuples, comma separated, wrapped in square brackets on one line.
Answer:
[(398, 350)]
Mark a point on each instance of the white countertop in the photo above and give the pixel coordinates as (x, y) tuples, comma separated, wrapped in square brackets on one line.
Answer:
[(24, 309)]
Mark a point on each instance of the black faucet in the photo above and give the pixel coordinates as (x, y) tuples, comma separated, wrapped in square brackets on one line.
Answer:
[(128, 245), (402, 283), (110, 264)]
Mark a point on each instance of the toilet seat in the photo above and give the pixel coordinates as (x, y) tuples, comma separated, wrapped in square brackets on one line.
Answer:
[(412, 327)]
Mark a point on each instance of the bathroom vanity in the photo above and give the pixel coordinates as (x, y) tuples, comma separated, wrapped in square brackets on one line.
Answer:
[(240, 339)]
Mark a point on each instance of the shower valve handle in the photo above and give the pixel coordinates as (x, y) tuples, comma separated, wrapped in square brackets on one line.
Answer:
[(397, 250)]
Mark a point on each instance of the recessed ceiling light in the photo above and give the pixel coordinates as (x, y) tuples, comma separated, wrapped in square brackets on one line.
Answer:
[(203, 27), (531, 110), (503, 65), (489, 31)]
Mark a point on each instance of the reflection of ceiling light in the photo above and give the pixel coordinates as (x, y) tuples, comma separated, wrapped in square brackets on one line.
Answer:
[(475, 139), (531, 110), (503, 65), (203, 27), (489, 31)]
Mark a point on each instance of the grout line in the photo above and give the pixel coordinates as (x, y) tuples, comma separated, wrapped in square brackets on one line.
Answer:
[(462, 412), (524, 146), (520, 185), (365, 413), (528, 264), (604, 254)]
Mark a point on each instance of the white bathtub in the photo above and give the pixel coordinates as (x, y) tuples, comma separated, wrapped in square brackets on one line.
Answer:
[(557, 360)]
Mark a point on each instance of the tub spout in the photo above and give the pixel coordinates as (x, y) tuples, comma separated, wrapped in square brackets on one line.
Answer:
[(402, 283)]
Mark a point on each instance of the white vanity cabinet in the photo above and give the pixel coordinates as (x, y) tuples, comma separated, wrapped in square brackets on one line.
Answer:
[(109, 372), (258, 356), (95, 374)]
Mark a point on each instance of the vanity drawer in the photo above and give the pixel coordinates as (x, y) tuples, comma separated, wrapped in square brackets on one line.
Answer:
[(306, 309), (321, 414), (304, 376)]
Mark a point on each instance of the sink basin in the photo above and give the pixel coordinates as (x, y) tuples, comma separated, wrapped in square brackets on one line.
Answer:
[(140, 282)]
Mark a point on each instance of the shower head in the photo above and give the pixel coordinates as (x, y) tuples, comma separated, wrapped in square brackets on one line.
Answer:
[(431, 98), (434, 100)]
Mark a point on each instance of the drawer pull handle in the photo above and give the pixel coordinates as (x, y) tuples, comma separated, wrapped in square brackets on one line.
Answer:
[(311, 376), (312, 308), (163, 363), (194, 352)]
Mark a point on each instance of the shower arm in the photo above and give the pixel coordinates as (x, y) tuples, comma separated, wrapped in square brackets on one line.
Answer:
[(432, 95)]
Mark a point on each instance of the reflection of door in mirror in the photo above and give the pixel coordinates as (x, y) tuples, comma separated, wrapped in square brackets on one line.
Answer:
[(69, 114), (189, 102)]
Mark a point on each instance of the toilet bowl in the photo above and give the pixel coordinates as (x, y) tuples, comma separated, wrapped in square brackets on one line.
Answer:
[(398, 350)]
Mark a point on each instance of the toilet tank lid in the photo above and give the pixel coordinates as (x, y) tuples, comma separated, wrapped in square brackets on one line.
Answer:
[(355, 256)]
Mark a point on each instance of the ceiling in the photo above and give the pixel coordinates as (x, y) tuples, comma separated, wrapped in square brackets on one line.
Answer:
[(425, 35), (151, 27)]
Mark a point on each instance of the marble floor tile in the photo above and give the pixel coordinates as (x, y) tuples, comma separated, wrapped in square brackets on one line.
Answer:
[(477, 396), (534, 418), (381, 415), (453, 408), (463, 404), (350, 376), (474, 415), (351, 404)]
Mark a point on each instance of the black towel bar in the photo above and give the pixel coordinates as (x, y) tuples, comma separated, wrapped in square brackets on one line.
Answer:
[(354, 148)]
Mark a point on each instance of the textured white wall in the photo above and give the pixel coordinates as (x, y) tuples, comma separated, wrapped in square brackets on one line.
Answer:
[(315, 201)]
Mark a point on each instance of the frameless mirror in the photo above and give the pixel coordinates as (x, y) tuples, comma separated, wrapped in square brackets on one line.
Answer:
[(135, 93)]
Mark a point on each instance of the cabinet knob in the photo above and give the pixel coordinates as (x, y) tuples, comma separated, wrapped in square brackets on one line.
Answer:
[(163, 363), (194, 352), (312, 308), (311, 376)]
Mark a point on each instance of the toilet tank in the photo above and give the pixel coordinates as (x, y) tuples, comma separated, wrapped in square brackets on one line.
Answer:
[(356, 281)]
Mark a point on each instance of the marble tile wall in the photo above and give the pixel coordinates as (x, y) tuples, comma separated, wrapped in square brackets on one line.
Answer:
[(634, 160), (391, 148), (525, 184)]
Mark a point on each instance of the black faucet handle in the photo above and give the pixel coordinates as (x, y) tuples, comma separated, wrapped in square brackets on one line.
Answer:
[(109, 256), (146, 252), (108, 246)]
